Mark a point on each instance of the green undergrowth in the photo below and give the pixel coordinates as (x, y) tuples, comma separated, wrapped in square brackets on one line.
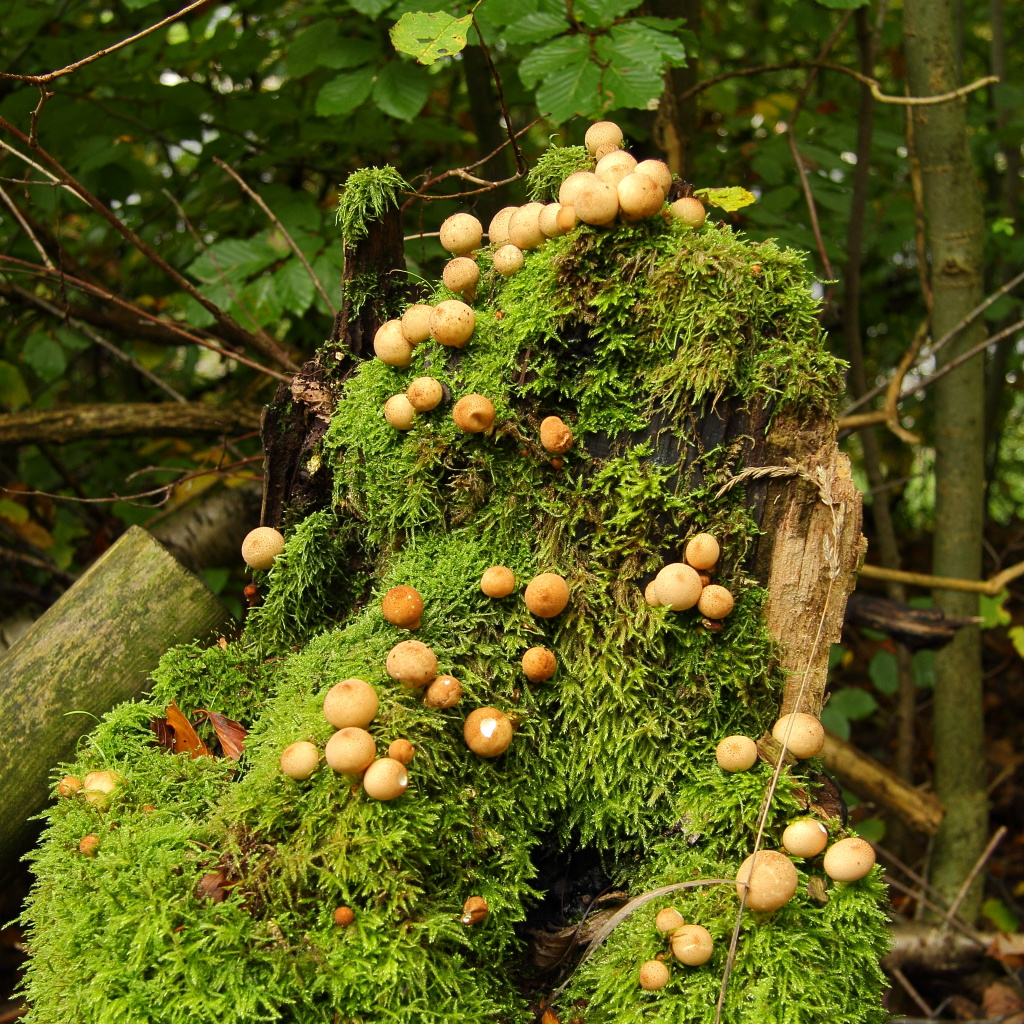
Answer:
[(630, 335)]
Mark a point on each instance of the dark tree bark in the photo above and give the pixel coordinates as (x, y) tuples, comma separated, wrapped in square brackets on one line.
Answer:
[(676, 122)]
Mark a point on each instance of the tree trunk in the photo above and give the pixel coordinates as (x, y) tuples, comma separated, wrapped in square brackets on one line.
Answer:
[(92, 650), (955, 234)]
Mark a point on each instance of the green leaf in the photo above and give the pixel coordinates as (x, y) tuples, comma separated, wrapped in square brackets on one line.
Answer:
[(601, 13), (842, 5), (923, 664), (309, 45), (294, 287), (632, 76), (835, 721), (535, 28), (992, 611), (345, 92), (428, 36), (871, 829), (836, 653), (137, 5), (13, 393), (553, 57), (642, 45), (572, 91), (884, 672), (13, 512), (729, 199), (45, 356), (350, 53), (1015, 633), (371, 8), (234, 258), (1004, 919), (853, 702), (401, 89)]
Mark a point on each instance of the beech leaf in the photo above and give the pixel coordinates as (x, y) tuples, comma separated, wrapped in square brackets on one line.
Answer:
[(186, 739), (729, 199), (428, 36), (230, 733)]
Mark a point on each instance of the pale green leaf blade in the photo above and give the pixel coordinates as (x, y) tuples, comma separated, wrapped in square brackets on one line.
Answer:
[(554, 56), (45, 356), (728, 199), (535, 28), (574, 90), (428, 36), (344, 93), (401, 89), (294, 287)]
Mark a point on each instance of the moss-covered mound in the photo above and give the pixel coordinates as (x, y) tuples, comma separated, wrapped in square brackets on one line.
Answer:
[(614, 331)]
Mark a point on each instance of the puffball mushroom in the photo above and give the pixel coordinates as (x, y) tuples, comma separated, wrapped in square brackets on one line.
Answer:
[(640, 197), (299, 760), (474, 910), (69, 785), (385, 779), (461, 233), (498, 581), (601, 133), (658, 171), (546, 595), (416, 323), (344, 916), (651, 595), (692, 944), (452, 323), (677, 586), (605, 148), (715, 602), (570, 188), (474, 414), (597, 203), (653, 975), (443, 692), (566, 218), (403, 606), (412, 663), (487, 732), (261, 546), (736, 754), (772, 883), (88, 845), (351, 702), (399, 412), (615, 166), (690, 211), (548, 220), (461, 275), (702, 551), (849, 859), (390, 344), (524, 227), (497, 230), (350, 751), (806, 737), (508, 260), (97, 788), (555, 435), (668, 920), (401, 750), (539, 664), (424, 394), (806, 838)]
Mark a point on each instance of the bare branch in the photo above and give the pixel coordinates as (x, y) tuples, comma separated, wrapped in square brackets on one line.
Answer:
[(27, 229), (10, 555), (992, 587), (973, 874), (54, 180), (520, 159)]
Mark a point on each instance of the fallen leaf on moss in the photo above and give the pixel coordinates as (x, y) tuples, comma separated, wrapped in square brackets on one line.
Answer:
[(230, 733), (186, 739)]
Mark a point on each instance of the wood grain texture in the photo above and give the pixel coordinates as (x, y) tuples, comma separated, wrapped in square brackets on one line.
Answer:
[(93, 649)]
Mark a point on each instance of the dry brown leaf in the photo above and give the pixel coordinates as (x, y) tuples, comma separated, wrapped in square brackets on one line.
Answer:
[(1007, 949), (1000, 1002), (230, 733), (186, 739), (164, 733), (549, 1017)]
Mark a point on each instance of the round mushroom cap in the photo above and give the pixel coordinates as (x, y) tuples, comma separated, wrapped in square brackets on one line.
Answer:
[(601, 133), (299, 760), (546, 595), (772, 883), (412, 663), (424, 394), (702, 551), (615, 166), (692, 944), (88, 845), (497, 230), (597, 203), (806, 737), (352, 702), (461, 233), (715, 602), (385, 779), (539, 664), (555, 435), (261, 546), (452, 323), (474, 414), (668, 920), (97, 787), (487, 732), (443, 692), (403, 606), (653, 975), (604, 149), (640, 197), (401, 750), (69, 786), (549, 220), (651, 595), (498, 581), (658, 171), (461, 275), (677, 586), (690, 211), (806, 838), (399, 412), (736, 753), (416, 323), (570, 188), (567, 218), (344, 916), (524, 227), (349, 751), (508, 260), (390, 344), (474, 910), (849, 859)]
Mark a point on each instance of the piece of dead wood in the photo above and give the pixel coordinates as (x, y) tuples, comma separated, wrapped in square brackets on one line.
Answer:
[(918, 628), (927, 947)]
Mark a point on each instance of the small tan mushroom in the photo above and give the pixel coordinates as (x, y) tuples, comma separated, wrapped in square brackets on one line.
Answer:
[(424, 394), (640, 197), (349, 751), (452, 323), (849, 859), (401, 750), (555, 435), (403, 606), (549, 220), (736, 754), (344, 916), (498, 581), (690, 211), (474, 414), (299, 760), (570, 188), (658, 171), (653, 975), (806, 736), (692, 945), (443, 692), (539, 664), (715, 602), (412, 663), (390, 344), (597, 203), (399, 412), (668, 920), (474, 910), (567, 218), (416, 323), (385, 779), (772, 883), (805, 838), (614, 167), (497, 230), (261, 546), (88, 845), (605, 148), (677, 586), (69, 786), (351, 702), (487, 731), (546, 595), (651, 594), (98, 788), (524, 227), (461, 275), (461, 233), (702, 551), (508, 260), (601, 133)]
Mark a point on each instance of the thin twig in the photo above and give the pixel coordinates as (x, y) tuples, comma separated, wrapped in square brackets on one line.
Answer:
[(911, 991), (36, 563), (27, 228), (922, 900), (521, 166), (280, 227), (422, 234), (42, 170), (992, 587), (969, 880)]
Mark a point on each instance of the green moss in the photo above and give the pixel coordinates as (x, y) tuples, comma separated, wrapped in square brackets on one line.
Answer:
[(612, 330), (553, 166), (367, 194)]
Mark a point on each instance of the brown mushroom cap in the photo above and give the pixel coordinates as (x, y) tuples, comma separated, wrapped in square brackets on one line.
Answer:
[(658, 171), (299, 760), (524, 227), (261, 546), (601, 133), (567, 218), (474, 910), (399, 412), (555, 435), (806, 838), (508, 260), (424, 394), (416, 323), (401, 750), (570, 188), (349, 751), (597, 203), (806, 738), (461, 233), (640, 197), (772, 884), (668, 920), (474, 414), (487, 732), (715, 602), (548, 220), (390, 344), (351, 702), (452, 323), (412, 663), (443, 692), (849, 859), (344, 916), (677, 586), (98, 787), (692, 944), (497, 230), (385, 779), (88, 845), (690, 211), (546, 595), (539, 664), (69, 786), (498, 581), (403, 606), (736, 753), (615, 166), (653, 975), (702, 551), (461, 275)]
